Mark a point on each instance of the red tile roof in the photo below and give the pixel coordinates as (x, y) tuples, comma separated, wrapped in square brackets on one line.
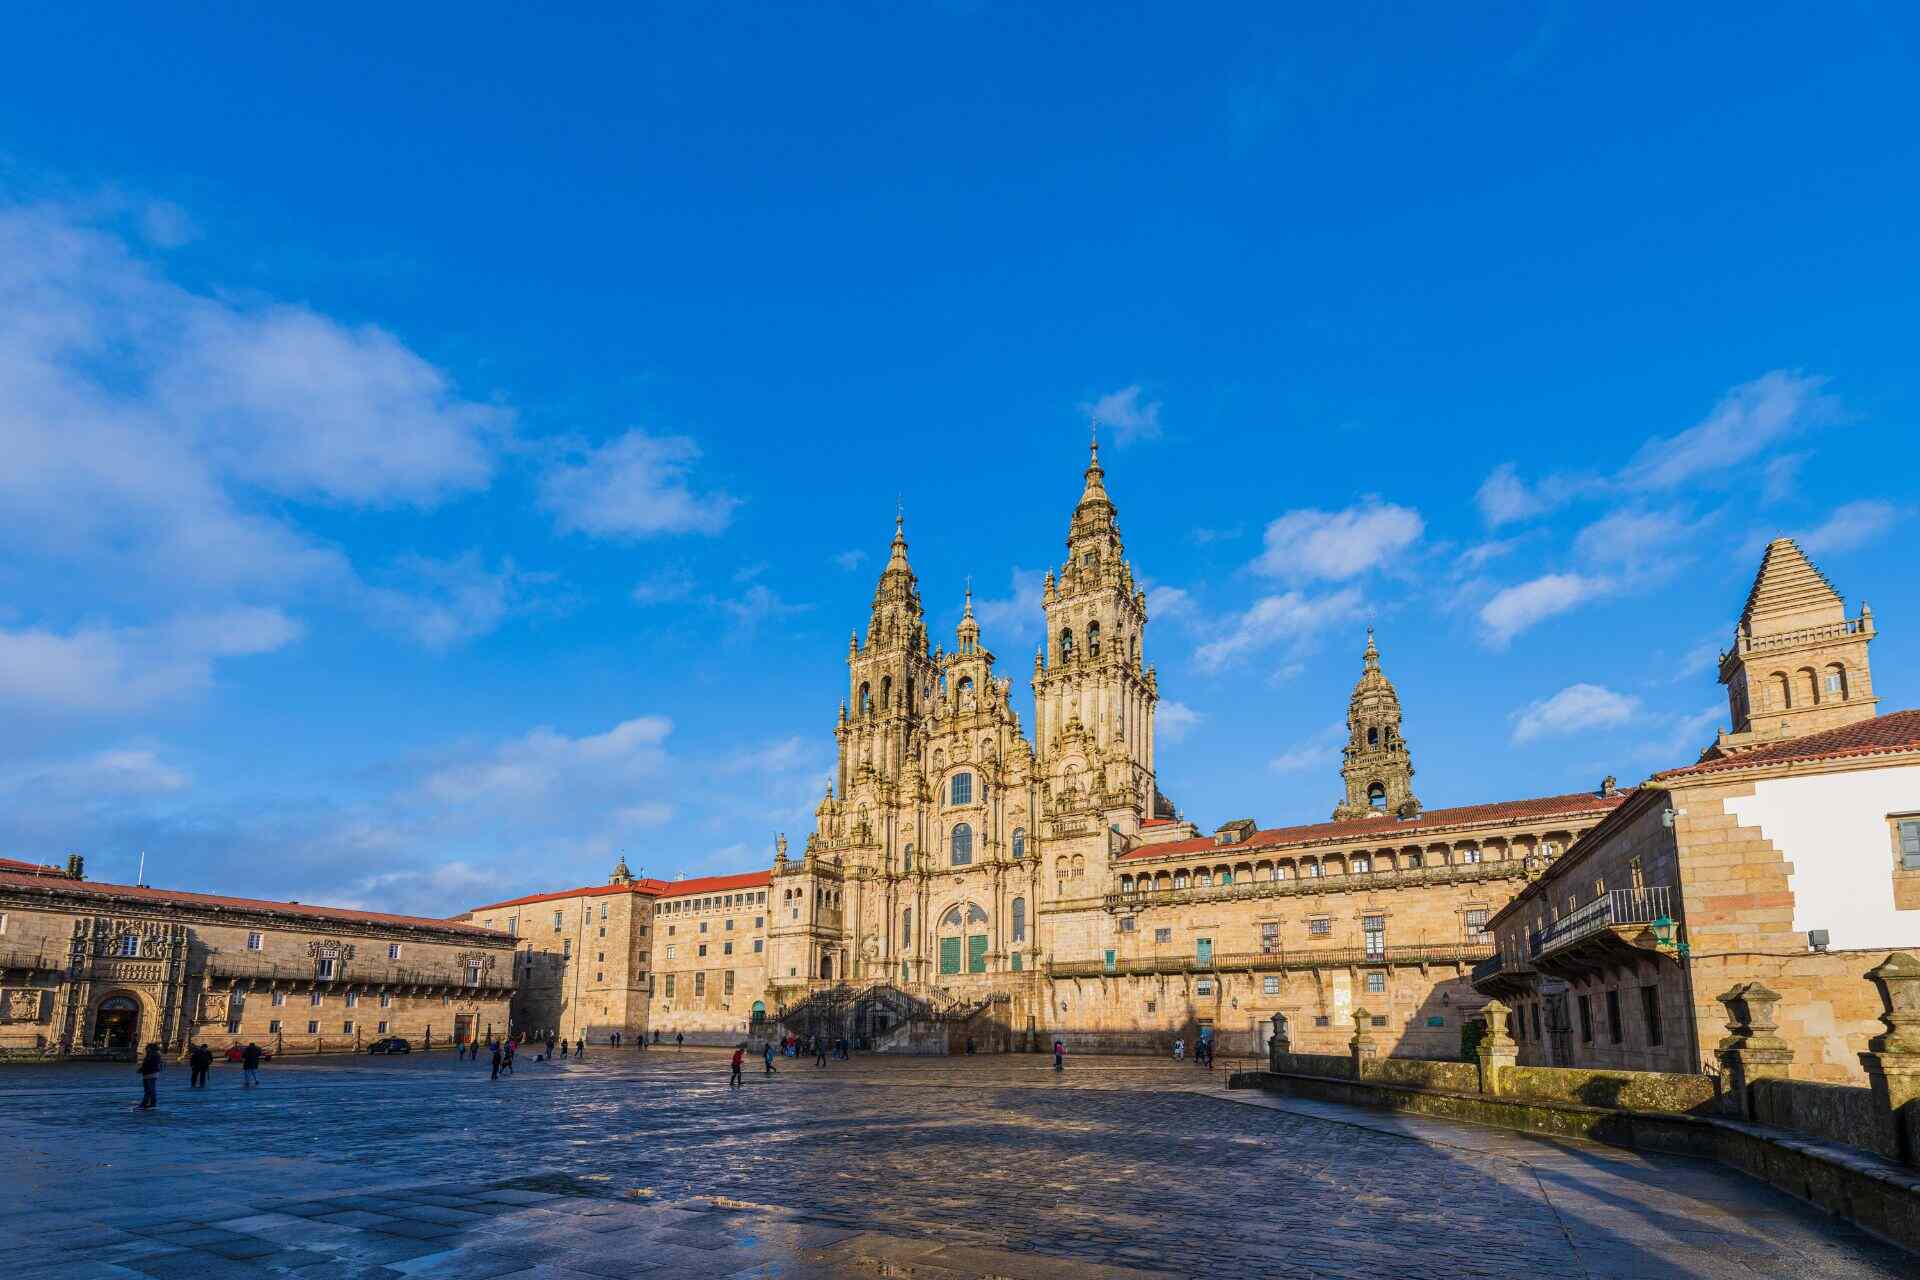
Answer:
[(1897, 731), (1159, 822), (1392, 829), (649, 887), (31, 868), (213, 902)]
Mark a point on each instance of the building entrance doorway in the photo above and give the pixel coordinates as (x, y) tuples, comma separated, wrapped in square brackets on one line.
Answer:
[(462, 1028), (116, 1024), (1559, 1031)]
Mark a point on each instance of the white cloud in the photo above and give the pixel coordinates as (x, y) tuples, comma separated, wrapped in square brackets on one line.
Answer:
[(1517, 608), (1480, 555), (530, 770), (1172, 721), (442, 603), (1019, 613), (675, 583), (1310, 544), (636, 486), (138, 417), (166, 225), (1783, 476), (1291, 623), (1747, 421), (1850, 526), (1633, 538), (1122, 410), (757, 605), (1322, 750), (1170, 604), (850, 560), (114, 773), (1203, 537), (1575, 709), (1504, 497), (99, 669), (1681, 739)]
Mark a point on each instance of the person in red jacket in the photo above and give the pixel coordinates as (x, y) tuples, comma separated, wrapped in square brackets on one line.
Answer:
[(739, 1057)]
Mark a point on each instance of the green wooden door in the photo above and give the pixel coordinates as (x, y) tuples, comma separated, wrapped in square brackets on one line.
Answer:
[(977, 953), (1203, 951), (949, 955)]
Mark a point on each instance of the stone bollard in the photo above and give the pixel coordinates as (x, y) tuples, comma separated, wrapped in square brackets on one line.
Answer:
[(1892, 1060), (1498, 1052), (1361, 1046), (1281, 1046), (1751, 1051)]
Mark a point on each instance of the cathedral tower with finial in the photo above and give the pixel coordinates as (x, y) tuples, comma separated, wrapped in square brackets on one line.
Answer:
[(889, 677), (1376, 766), (1093, 691)]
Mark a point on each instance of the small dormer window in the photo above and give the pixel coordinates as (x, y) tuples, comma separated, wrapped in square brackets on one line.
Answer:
[(1373, 737)]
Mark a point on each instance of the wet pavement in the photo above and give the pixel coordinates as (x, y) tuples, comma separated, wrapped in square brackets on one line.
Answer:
[(645, 1163)]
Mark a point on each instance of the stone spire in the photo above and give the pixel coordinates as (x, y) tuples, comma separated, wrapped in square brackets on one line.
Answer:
[(620, 873), (968, 632), (897, 619), (1798, 664), (1376, 766), (1095, 525)]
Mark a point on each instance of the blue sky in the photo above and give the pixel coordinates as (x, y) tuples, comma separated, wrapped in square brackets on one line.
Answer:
[(445, 448)]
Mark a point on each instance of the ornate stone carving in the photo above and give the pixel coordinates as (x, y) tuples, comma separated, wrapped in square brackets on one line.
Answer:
[(29, 1005), (330, 949)]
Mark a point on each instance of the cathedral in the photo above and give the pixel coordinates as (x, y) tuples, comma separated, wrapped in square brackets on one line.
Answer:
[(966, 879)]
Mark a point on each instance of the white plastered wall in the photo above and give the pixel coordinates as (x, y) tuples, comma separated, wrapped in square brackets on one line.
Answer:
[(1833, 828)]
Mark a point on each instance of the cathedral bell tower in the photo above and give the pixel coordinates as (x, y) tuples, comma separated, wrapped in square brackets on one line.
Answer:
[(1093, 694), (889, 678), (1376, 767)]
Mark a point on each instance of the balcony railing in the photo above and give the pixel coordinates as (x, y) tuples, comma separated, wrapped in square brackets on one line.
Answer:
[(1615, 907), (20, 961), (353, 974), (1396, 878), (1276, 961), (1806, 635)]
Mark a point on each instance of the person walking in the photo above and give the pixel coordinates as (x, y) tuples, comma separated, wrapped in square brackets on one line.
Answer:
[(496, 1063), (1059, 1055), (199, 1063), (768, 1054), (250, 1065), (739, 1056), (507, 1063), (580, 1047), (819, 1051), (679, 1040), (551, 1041), (150, 1068)]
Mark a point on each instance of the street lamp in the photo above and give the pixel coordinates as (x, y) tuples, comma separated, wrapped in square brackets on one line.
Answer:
[(1663, 931)]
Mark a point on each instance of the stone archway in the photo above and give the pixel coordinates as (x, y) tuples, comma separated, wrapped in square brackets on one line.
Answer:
[(116, 1022)]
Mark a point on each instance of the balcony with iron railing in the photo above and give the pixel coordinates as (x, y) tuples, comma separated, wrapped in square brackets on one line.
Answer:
[(231, 969), (1276, 961), (20, 960), (1504, 975), (1617, 927)]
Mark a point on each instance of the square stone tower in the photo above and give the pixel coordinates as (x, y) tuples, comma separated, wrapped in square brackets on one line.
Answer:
[(1798, 664)]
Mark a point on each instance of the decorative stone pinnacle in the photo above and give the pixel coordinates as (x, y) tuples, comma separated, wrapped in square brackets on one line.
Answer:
[(1898, 977)]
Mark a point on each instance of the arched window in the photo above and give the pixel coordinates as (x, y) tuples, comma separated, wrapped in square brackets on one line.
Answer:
[(906, 859), (960, 791), (1180, 880), (866, 700), (1358, 865), (966, 686), (909, 707), (1079, 866), (906, 928), (1066, 646), (826, 965), (1226, 876), (1373, 737), (1203, 878), (1777, 699), (1019, 842), (1836, 682), (1126, 884), (886, 693), (961, 844), (1093, 639), (1377, 798), (1019, 919)]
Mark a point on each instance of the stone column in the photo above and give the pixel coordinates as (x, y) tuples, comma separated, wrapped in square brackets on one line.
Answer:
[(1498, 1052), (1751, 1051), (1892, 1060), (1282, 1043), (1361, 1047)]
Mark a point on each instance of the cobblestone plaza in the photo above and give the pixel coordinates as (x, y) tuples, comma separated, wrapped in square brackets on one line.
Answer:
[(632, 1163)]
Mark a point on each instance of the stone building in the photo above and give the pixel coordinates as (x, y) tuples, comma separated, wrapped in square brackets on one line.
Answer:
[(637, 956), (89, 967), (967, 878), (1785, 858)]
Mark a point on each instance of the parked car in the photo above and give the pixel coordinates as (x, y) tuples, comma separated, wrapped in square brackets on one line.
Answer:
[(392, 1044)]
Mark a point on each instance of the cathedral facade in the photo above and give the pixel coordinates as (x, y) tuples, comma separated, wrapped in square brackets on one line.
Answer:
[(968, 877)]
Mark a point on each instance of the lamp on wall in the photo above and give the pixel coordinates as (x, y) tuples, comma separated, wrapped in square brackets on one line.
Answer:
[(1663, 931)]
